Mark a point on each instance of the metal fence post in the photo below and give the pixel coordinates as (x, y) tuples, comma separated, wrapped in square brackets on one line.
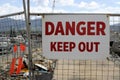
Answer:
[(27, 17)]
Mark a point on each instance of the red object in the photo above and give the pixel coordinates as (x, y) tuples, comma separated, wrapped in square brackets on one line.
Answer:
[(20, 61), (22, 47), (12, 67), (15, 48), (20, 64)]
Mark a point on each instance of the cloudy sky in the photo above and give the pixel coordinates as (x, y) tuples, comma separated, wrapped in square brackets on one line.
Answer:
[(62, 6)]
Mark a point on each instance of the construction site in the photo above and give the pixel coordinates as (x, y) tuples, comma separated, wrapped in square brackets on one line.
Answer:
[(21, 52)]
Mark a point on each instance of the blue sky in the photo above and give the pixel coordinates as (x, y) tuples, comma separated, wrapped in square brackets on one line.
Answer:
[(62, 6)]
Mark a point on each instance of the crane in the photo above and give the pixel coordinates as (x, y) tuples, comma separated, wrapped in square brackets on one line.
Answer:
[(53, 6)]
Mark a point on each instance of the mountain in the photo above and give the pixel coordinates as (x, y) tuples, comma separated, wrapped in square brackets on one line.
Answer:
[(36, 25), (115, 27), (6, 24)]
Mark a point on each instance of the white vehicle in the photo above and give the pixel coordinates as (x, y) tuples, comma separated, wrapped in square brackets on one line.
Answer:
[(19, 38), (4, 44), (4, 41)]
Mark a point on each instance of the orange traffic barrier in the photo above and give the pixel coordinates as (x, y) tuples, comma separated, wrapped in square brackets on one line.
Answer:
[(12, 67), (20, 63)]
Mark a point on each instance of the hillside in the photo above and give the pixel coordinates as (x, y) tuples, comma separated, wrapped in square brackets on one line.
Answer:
[(7, 24)]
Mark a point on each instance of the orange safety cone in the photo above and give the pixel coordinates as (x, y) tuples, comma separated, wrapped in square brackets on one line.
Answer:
[(12, 67)]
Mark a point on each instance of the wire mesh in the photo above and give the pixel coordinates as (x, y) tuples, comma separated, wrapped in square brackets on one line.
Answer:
[(13, 28), (86, 70), (10, 27), (108, 69)]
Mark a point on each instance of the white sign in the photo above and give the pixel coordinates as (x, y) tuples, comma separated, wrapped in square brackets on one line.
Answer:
[(75, 36)]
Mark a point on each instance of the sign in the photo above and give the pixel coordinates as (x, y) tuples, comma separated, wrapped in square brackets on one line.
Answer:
[(75, 36)]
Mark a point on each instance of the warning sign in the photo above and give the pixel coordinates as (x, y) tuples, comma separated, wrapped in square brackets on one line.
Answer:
[(75, 36)]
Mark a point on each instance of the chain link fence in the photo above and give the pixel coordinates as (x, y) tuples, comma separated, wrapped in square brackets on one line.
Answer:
[(14, 25)]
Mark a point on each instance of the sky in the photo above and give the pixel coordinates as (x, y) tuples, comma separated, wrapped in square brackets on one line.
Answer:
[(62, 6)]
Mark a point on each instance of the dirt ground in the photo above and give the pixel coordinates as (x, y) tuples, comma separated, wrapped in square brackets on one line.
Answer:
[(81, 69), (86, 70)]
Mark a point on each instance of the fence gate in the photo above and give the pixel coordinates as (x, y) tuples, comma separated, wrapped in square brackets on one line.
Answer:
[(14, 24)]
